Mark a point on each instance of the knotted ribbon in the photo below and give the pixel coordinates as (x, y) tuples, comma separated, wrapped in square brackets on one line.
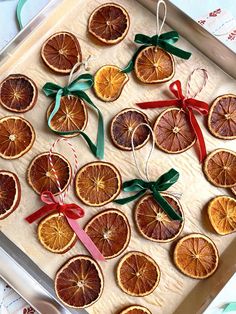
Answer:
[(189, 105), (164, 41), (71, 212), (19, 7), (77, 87)]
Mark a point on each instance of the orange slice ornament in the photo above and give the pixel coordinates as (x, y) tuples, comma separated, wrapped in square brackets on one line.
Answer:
[(109, 23), (79, 283), (61, 51), (138, 274), (41, 176), (109, 82), (222, 214), (10, 193), (17, 136), (220, 168), (135, 309), (97, 183), (123, 125), (18, 93), (110, 231), (222, 117), (196, 256)]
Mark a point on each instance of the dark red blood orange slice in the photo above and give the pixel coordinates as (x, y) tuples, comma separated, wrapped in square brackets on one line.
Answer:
[(79, 283), (135, 309), (123, 125), (138, 274), (154, 65), (41, 176), (61, 52), (72, 115), (222, 117), (16, 137), (18, 93), (153, 223), (10, 193), (173, 131), (109, 23), (110, 231)]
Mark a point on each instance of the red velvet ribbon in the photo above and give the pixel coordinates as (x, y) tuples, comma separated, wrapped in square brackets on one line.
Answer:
[(72, 212), (189, 105)]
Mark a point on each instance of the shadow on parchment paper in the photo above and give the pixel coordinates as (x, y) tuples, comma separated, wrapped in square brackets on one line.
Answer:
[(198, 299)]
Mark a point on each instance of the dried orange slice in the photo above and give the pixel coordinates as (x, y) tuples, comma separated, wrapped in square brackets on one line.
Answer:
[(138, 274), (220, 168), (72, 115), (153, 223), (109, 23), (55, 234), (79, 283), (18, 93), (222, 117), (222, 214), (97, 183), (173, 132), (61, 52), (41, 176), (17, 136), (154, 65), (123, 125), (196, 256), (10, 193), (109, 82), (110, 231), (135, 309)]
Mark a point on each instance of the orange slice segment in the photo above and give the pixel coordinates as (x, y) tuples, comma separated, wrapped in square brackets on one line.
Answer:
[(196, 256), (138, 274), (18, 93), (220, 168), (135, 309), (16, 137), (222, 214), (72, 115), (41, 176), (109, 82), (79, 283), (153, 223), (123, 125), (109, 23), (55, 234), (110, 231), (61, 52), (10, 193), (173, 132), (154, 65), (222, 117), (97, 183)]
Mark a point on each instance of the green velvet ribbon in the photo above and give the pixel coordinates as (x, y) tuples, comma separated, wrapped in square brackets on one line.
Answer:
[(161, 184), (230, 307), (164, 41), (19, 7), (77, 88)]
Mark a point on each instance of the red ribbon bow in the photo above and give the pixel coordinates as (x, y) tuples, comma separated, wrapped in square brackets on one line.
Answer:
[(188, 105), (71, 211)]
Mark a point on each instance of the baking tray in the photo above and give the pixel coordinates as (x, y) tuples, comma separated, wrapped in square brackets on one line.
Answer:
[(151, 91)]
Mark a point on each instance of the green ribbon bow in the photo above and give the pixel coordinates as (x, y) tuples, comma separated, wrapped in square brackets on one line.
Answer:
[(163, 183), (77, 88), (165, 41), (19, 7)]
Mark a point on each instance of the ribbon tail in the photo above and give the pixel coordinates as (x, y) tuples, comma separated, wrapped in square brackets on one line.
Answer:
[(129, 199), (130, 66), (200, 138), (166, 206), (174, 50), (40, 213), (230, 307), (158, 104), (86, 240), (19, 7)]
